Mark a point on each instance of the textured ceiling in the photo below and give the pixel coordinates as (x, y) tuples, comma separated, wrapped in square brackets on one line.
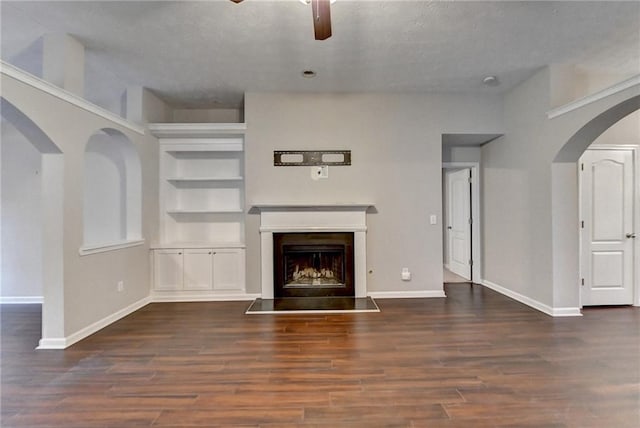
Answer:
[(208, 53)]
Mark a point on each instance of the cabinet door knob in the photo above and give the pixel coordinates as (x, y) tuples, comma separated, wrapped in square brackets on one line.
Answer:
[(179, 254), (210, 252)]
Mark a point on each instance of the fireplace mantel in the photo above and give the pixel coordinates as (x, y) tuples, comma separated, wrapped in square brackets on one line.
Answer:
[(313, 217), (311, 207)]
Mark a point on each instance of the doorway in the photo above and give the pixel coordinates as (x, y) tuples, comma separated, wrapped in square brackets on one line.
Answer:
[(461, 216), (607, 235)]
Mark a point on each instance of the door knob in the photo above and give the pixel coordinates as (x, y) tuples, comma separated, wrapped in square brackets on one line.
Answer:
[(449, 227), (630, 235)]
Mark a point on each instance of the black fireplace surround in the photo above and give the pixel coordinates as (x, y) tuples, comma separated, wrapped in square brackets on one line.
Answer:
[(313, 264)]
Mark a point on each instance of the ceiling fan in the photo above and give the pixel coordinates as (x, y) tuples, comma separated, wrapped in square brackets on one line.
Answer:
[(321, 17)]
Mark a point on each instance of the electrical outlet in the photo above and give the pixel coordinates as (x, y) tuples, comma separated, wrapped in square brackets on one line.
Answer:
[(120, 285)]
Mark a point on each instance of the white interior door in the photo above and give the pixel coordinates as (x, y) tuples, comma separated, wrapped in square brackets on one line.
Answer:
[(606, 190), (459, 222)]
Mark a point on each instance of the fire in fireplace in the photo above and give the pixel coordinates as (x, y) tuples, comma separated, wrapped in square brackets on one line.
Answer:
[(313, 264)]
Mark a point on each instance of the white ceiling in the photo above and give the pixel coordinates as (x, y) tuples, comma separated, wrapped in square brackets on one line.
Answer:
[(208, 53)]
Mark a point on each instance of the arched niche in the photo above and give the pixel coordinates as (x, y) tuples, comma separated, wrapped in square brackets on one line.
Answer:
[(50, 248), (112, 191), (565, 208)]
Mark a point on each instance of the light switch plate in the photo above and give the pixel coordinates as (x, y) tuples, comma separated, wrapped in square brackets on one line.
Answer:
[(433, 219)]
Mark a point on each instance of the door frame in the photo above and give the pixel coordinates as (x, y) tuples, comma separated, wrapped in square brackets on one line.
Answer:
[(476, 235), (635, 218)]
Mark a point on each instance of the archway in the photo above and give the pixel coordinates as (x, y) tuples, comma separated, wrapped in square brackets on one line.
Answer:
[(50, 219), (565, 221)]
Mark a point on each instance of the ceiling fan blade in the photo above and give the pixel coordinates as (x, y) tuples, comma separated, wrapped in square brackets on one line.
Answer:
[(321, 18)]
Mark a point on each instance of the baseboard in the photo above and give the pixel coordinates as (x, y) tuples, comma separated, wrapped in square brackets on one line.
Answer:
[(158, 298), (567, 312), (406, 294), (554, 312), (21, 300), (58, 343)]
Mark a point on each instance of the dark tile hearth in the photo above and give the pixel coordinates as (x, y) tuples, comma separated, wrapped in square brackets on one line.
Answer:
[(312, 305)]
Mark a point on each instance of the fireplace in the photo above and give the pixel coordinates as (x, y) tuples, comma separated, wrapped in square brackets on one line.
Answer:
[(313, 264), (296, 219)]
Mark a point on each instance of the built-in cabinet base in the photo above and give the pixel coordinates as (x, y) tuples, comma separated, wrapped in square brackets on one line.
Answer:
[(198, 271)]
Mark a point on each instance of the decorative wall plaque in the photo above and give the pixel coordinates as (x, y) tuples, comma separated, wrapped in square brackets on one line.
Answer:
[(311, 157)]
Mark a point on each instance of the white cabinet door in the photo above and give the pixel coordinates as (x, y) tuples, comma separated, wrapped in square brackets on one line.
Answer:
[(228, 269), (167, 269), (198, 269)]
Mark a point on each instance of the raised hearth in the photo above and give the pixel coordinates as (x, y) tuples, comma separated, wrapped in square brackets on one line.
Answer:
[(312, 218), (313, 305)]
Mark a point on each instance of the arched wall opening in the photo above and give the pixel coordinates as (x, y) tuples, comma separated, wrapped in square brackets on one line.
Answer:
[(42, 249), (112, 190), (565, 204)]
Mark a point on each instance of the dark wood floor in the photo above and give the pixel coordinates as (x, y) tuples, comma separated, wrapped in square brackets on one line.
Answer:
[(475, 359)]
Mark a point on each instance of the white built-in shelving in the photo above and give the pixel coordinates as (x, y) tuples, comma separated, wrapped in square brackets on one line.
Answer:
[(201, 206)]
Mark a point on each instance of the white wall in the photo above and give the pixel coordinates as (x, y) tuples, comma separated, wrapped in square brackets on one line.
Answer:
[(90, 281), (21, 272), (396, 145)]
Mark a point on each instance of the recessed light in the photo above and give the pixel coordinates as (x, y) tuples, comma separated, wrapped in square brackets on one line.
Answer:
[(491, 81), (308, 74)]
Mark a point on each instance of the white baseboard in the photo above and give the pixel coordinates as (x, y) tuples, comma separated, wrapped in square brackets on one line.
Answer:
[(554, 312), (406, 294), (567, 312), (52, 344), (157, 298), (63, 343), (21, 300)]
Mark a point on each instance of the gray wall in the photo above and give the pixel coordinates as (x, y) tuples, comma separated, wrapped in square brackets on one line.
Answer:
[(396, 149), (516, 195), (461, 153), (624, 132), (21, 272), (530, 207), (90, 281)]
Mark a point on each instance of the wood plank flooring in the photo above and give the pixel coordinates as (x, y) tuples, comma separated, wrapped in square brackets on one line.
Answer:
[(475, 359)]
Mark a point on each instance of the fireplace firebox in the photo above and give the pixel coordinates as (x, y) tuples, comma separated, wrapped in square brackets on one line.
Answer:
[(313, 264)]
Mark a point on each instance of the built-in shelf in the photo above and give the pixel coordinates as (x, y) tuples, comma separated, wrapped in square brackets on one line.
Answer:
[(238, 211), (196, 130), (197, 244), (203, 179), (201, 248), (205, 145)]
